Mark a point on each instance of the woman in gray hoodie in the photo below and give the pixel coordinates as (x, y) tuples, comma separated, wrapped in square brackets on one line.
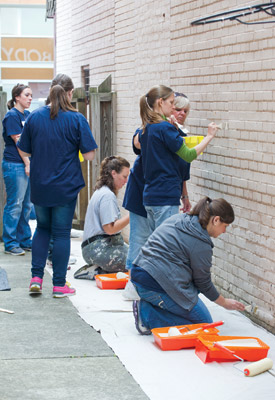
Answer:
[(173, 267)]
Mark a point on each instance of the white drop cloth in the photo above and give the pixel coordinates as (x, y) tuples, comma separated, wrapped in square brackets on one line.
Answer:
[(169, 374)]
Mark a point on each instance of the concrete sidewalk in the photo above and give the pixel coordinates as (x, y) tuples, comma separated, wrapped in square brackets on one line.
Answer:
[(48, 352)]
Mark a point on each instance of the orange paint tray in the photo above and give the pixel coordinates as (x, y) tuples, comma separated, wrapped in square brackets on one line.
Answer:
[(110, 281), (179, 342), (207, 352)]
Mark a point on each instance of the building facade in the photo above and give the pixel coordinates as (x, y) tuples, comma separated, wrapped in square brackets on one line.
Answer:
[(227, 71), (27, 47)]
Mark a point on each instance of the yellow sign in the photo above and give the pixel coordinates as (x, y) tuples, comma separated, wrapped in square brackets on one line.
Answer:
[(27, 49), (27, 73)]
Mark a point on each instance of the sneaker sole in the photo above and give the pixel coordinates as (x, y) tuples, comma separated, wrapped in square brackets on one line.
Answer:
[(35, 290), (60, 295), (13, 254)]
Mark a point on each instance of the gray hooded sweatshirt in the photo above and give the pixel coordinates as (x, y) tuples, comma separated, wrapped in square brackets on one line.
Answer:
[(178, 255)]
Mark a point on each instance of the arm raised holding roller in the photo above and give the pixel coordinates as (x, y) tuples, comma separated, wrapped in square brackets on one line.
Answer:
[(190, 154)]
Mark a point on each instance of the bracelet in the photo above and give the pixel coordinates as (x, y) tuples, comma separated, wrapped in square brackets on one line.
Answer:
[(184, 197)]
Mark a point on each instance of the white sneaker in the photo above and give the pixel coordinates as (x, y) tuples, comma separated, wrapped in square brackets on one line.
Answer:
[(72, 260), (130, 293)]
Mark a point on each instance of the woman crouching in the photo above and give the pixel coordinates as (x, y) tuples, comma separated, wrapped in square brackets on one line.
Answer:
[(173, 267), (103, 247)]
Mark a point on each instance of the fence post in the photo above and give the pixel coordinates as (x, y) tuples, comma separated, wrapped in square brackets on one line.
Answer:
[(79, 102), (103, 122)]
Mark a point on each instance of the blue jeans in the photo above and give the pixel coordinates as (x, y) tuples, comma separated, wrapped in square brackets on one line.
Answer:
[(16, 229), (159, 310), (139, 233), (157, 214), (55, 222)]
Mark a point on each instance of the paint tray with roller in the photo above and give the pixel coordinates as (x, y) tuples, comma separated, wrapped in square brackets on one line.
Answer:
[(185, 335), (112, 281), (244, 347)]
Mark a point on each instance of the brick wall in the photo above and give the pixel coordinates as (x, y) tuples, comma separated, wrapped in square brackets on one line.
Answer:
[(227, 70)]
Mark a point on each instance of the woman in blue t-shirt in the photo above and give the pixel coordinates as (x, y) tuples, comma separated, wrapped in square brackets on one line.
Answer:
[(53, 136), (16, 170), (161, 146)]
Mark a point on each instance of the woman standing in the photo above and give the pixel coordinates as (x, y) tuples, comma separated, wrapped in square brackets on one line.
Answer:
[(103, 247), (161, 146), (16, 170), (173, 267), (178, 117), (53, 136)]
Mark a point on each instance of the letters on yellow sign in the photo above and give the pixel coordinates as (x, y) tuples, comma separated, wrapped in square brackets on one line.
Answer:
[(26, 55)]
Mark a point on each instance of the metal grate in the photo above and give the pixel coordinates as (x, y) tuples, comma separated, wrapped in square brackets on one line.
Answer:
[(237, 14), (50, 8)]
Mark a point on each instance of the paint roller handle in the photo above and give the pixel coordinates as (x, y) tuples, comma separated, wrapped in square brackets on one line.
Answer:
[(226, 350), (212, 325), (223, 348)]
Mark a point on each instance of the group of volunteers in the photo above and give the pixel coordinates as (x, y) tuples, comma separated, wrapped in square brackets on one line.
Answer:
[(169, 256)]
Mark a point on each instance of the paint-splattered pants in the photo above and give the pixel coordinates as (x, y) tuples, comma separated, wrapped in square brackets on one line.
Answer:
[(109, 253)]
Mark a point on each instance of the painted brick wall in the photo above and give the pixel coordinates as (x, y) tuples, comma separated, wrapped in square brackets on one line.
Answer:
[(227, 71)]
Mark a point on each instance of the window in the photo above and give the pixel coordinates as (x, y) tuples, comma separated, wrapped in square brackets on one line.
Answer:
[(85, 72)]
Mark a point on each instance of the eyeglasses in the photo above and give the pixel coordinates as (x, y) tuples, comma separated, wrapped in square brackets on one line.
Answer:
[(177, 94), (185, 110)]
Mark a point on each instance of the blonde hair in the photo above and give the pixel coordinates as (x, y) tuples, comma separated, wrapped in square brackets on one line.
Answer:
[(181, 101), (147, 103)]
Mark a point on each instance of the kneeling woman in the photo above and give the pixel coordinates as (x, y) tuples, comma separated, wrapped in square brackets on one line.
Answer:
[(103, 247), (173, 267)]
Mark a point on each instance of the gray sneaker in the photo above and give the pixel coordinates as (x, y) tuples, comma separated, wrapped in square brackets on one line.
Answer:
[(87, 272), (16, 251), (140, 327)]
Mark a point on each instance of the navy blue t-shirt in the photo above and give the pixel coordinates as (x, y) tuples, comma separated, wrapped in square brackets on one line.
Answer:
[(54, 144), (163, 181), (133, 197), (13, 123)]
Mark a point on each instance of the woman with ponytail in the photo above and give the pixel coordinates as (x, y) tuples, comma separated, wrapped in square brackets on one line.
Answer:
[(53, 136), (162, 146), (174, 265), (16, 170)]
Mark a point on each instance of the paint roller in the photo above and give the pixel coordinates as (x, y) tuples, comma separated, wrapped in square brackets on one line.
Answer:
[(173, 331), (252, 369)]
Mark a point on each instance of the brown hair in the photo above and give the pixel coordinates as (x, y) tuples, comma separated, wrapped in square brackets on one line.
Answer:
[(109, 164), (147, 102), (207, 208), (16, 91), (63, 80), (59, 99)]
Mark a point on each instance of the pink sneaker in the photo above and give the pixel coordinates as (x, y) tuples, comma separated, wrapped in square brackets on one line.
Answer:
[(35, 285), (63, 291)]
